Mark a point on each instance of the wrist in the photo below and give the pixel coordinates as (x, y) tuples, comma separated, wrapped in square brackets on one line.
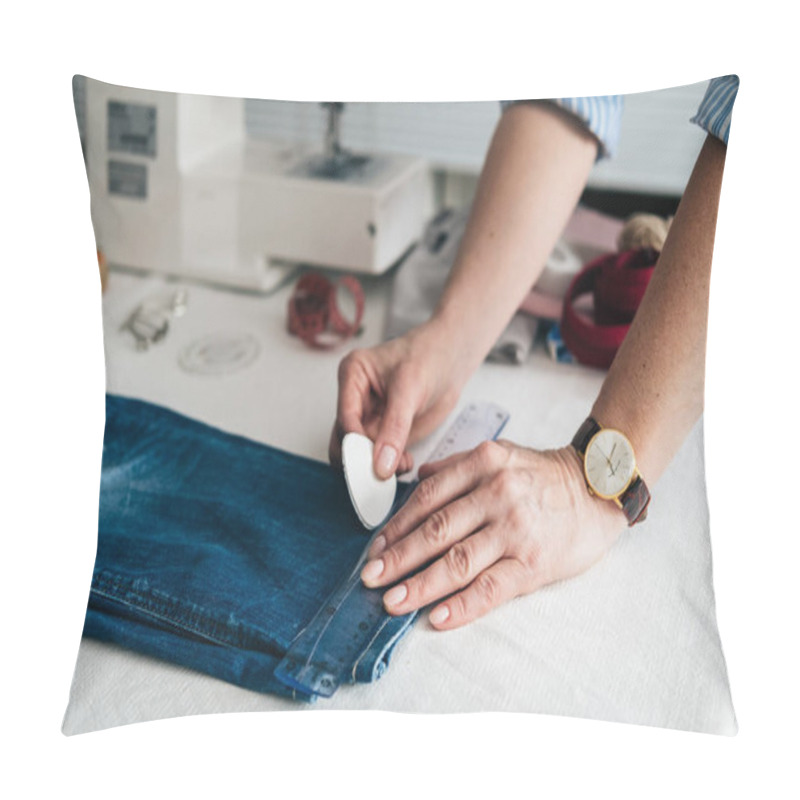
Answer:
[(587, 504), (446, 343)]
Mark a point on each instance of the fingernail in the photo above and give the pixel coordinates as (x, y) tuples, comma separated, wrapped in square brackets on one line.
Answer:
[(386, 459), (395, 595), (378, 546), (439, 615), (372, 569)]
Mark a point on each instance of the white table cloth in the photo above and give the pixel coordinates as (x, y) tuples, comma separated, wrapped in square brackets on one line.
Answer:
[(633, 640)]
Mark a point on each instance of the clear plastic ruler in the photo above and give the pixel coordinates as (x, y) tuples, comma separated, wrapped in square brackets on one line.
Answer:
[(326, 652), (478, 422)]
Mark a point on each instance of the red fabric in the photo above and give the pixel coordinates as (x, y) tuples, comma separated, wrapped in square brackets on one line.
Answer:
[(314, 314), (617, 282)]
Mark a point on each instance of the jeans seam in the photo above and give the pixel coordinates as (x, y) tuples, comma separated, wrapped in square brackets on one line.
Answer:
[(241, 636)]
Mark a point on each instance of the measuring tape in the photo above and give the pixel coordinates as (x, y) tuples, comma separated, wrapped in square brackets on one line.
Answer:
[(327, 652)]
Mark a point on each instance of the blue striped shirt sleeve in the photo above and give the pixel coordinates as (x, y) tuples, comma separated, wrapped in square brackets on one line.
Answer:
[(716, 107), (601, 115)]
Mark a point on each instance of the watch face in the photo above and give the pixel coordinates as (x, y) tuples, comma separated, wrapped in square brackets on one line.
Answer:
[(609, 463)]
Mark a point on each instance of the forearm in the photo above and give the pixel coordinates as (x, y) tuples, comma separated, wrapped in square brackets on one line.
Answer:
[(535, 171), (654, 389)]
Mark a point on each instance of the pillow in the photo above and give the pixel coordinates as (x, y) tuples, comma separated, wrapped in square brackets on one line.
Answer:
[(227, 571)]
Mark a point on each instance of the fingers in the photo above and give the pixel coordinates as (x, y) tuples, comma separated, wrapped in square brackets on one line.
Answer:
[(448, 518), (454, 477), (493, 587), (426, 507), (435, 536), (488, 456), (406, 462), (357, 412), (351, 405), (457, 568), (354, 392), (432, 467), (402, 405)]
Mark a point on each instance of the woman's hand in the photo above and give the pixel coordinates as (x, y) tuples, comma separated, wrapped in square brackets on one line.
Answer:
[(397, 393), (491, 524)]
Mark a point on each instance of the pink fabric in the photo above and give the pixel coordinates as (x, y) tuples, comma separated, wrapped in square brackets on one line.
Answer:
[(593, 229), (543, 306)]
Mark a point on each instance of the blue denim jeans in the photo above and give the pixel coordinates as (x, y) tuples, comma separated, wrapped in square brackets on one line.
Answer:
[(214, 551)]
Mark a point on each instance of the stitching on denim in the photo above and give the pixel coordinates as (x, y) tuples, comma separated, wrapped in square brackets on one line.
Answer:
[(162, 618), (401, 631), (367, 648), (199, 621), (325, 626)]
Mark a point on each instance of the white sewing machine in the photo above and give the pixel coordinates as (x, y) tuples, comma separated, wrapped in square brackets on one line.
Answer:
[(177, 187)]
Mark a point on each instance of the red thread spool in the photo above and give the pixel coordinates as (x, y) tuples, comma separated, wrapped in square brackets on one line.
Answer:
[(314, 313), (617, 282)]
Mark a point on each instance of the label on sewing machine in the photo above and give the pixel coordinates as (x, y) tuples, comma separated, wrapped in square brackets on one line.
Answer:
[(131, 128), (128, 180), (326, 653)]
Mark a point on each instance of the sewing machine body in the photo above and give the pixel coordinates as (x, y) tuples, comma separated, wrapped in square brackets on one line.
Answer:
[(178, 187)]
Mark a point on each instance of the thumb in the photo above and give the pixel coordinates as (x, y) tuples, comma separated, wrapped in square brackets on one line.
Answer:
[(401, 408)]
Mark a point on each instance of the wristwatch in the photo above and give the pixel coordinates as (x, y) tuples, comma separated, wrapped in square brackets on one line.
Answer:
[(609, 466)]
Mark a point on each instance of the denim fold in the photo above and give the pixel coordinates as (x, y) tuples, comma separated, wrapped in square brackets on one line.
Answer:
[(215, 551)]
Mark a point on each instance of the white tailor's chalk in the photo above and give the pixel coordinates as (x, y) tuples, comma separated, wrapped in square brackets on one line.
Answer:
[(372, 497)]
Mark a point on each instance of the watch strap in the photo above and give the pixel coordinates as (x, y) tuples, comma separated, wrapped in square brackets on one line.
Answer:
[(634, 500), (584, 434)]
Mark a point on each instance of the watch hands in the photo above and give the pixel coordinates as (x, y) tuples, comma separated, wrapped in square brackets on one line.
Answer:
[(608, 460)]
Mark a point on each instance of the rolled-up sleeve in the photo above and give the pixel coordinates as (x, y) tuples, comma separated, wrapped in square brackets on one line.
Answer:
[(601, 116), (716, 107)]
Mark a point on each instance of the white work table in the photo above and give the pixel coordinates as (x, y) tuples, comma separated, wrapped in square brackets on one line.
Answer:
[(632, 640)]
